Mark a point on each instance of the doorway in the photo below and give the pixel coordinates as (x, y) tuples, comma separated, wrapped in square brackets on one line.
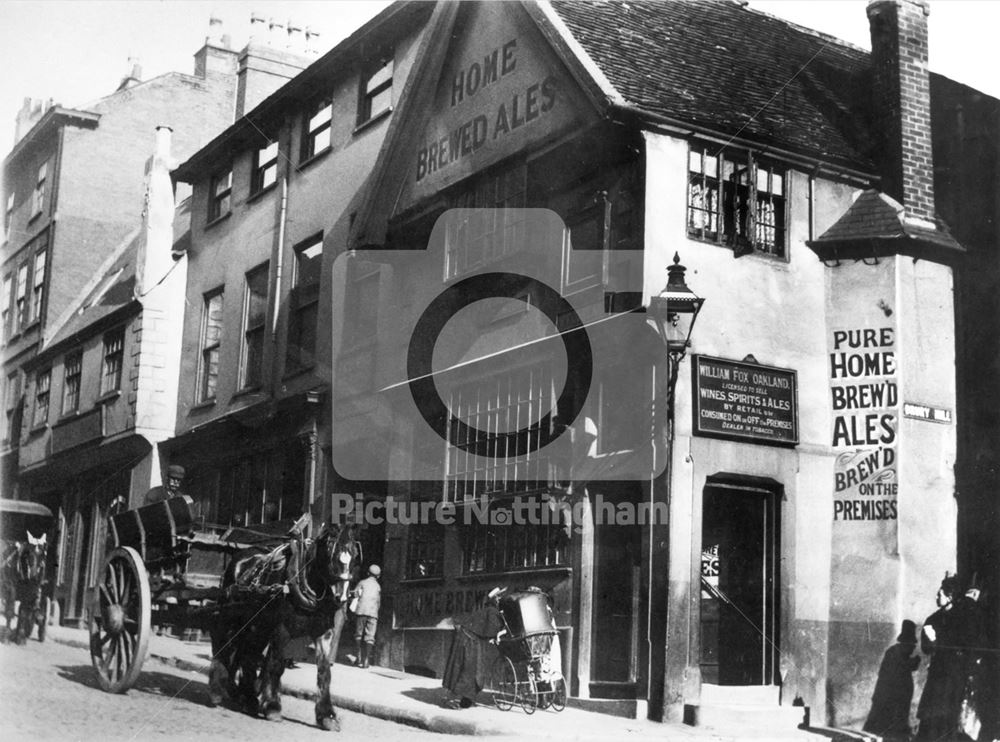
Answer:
[(739, 585)]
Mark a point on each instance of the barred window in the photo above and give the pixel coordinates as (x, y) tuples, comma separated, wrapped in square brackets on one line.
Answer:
[(73, 369), (493, 225), (736, 200), (211, 339), (114, 353), (316, 136), (501, 545), (43, 383), (254, 319), (220, 193), (265, 168), (424, 550), (376, 90), (500, 418)]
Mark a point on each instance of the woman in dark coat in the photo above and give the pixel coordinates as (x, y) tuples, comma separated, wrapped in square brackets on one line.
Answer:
[(890, 714), (464, 673), (947, 637)]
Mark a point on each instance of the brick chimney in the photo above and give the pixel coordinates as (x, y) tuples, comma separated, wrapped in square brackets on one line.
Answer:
[(272, 57), (901, 104), (215, 57)]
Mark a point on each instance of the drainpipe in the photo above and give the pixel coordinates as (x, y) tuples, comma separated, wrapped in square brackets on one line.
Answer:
[(280, 258)]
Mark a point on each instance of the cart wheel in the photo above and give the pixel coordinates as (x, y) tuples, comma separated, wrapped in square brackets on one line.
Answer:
[(529, 692), (119, 620), (504, 680), (558, 696)]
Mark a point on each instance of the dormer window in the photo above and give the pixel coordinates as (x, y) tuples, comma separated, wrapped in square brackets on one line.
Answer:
[(376, 91), (220, 192), (737, 200)]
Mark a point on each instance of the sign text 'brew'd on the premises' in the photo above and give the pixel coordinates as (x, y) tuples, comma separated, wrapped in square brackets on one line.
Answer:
[(745, 401)]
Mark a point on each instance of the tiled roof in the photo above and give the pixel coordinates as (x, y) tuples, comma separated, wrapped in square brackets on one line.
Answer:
[(877, 224), (718, 65)]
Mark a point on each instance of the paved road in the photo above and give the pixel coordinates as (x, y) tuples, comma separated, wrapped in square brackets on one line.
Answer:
[(48, 692)]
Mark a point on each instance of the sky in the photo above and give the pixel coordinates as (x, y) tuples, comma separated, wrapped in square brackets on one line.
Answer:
[(75, 51)]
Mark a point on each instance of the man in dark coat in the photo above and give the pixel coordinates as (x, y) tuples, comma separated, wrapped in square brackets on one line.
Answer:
[(890, 714), (947, 637), (464, 672)]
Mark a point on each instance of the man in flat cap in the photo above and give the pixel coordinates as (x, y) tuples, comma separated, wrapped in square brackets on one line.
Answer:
[(171, 486), (368, 594)]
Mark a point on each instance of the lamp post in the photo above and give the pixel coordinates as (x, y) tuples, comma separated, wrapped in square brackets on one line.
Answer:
[(674, 310)]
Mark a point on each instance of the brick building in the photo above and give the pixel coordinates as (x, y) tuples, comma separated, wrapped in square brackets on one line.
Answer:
[(80, 428)]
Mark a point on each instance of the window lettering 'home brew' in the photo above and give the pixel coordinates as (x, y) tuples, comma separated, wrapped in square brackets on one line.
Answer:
[(518, 107)]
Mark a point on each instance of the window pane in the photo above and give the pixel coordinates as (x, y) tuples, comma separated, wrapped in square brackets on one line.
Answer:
[(308, 261), (380, 102), (380, 77), (321, 117), (256, 298), (268, 153), (321, 140)]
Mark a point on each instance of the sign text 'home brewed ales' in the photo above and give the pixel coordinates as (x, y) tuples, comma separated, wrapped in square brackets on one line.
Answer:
[(745, 401), (488, 120), (864, 398)]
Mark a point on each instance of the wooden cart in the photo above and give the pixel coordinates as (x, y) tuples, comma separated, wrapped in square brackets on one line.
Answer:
[(162, 569)]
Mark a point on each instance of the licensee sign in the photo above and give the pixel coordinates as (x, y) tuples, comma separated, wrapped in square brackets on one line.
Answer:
[(745, 401)]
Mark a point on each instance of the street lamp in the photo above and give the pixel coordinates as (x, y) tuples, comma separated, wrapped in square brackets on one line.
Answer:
[(675, 310)]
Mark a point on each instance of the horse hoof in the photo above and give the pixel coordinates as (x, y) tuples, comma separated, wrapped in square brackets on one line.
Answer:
[(273, 714), (329, 723)]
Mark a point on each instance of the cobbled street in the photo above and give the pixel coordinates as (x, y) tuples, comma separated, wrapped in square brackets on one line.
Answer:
[(48, 691)]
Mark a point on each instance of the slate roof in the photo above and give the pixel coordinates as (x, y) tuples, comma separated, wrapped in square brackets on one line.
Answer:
[(876, 224), (733, 70)]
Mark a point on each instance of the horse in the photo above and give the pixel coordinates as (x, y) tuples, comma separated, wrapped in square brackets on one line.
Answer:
[(23, 579), (300, 588)]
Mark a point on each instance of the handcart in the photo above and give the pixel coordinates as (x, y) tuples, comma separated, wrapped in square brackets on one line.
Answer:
[(528, 670)]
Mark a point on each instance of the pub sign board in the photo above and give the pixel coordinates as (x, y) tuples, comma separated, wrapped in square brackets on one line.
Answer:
[(742, 401)]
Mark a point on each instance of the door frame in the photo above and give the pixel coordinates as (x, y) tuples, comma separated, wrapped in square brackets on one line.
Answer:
[(773, 495)]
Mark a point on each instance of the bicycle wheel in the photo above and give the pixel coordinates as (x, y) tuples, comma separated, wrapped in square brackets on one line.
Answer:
[(528, 692), (557, 698), (504, 683)]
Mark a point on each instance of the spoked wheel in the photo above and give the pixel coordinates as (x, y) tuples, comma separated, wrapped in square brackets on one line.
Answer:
[(119, 621), (504, 680), (557, 699), (529, 692)]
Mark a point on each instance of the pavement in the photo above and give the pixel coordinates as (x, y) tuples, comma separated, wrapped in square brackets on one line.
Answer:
[(416, 701)]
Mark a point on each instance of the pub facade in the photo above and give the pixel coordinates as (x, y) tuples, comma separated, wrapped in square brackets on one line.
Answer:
[(747, 526)]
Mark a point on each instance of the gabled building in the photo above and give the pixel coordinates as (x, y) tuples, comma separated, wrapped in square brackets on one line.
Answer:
[(804, 451)]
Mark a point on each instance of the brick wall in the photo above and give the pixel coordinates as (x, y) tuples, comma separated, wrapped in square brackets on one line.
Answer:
[(901, 89)]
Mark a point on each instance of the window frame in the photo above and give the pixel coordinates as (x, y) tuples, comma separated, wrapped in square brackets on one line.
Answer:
[(725, 203), (251, 369), (7, 298), (209, 349), (22, 307), (425, 546), (8, 215), (39, 192), (43, 398), (72, 382), (220, 197), (303, 300), (259, 176), (114, 361), (38, 276), (12, 394), (371, 87), (311, 134)]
